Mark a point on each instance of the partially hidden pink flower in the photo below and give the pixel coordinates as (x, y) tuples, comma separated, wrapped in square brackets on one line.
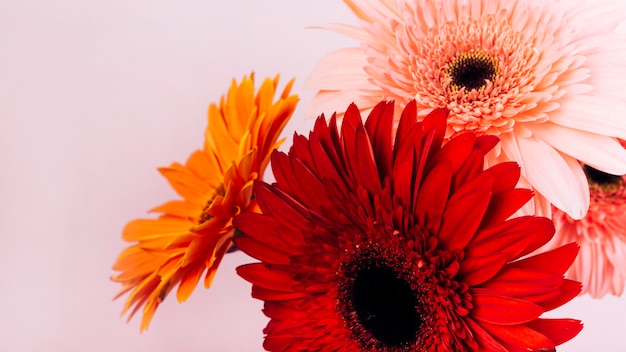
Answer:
[(546, 76), (601, 234)]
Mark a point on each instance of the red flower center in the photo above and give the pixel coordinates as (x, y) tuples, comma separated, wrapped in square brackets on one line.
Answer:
[(378, 299), (392, 299)]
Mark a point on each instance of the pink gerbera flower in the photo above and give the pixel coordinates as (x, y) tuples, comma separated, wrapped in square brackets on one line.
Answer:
[(543, 75), (601, 234)]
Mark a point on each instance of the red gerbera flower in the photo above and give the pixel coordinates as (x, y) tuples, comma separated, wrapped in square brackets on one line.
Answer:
[(367, 244)]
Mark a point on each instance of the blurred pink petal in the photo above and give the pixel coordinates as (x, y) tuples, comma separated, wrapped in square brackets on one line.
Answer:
[(601, 234)]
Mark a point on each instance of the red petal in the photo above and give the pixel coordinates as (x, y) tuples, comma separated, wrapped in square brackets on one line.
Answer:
[(503, 310), (484, 340), (297, 180), (456, 151), (281, 168), (364, 163), (476, 270), (258, 274), (507, 175), (403, 174), (281, 310), (252, 225), (265, 294), (327, 164), (568, 290), (306, 186), (485, 143), (277, 343), (412, 151), (352, 117), (512, 237), (462, 216), (278, 205), (558, 330), (408, 120), (473, 164), (379, 127), (555, 261), (284, 328), (435, 122), (326, 137), (503, 204), (516, 226), (359, 155), (271, 229), (542, 230), (529, 285), (301, 149), (471, 175), (262, 251), (432, 196), (330, 139), (520, 338), (472, 167), (422, 150)]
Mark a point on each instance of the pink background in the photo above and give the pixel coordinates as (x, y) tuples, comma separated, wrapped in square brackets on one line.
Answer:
[(93, 97)]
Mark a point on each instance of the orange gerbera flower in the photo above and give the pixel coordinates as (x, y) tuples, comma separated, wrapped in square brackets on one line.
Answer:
[(192, 235)]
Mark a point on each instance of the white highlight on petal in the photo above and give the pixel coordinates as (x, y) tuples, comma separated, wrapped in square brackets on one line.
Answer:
[(600, 152), (557, 177), (599, 115)]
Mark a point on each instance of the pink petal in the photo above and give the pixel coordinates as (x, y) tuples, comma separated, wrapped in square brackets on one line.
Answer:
[(562, 183), (328, 102), (599, 115), (339, 70), (601, 152)]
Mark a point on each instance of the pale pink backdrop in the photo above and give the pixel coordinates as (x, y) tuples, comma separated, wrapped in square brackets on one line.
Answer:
[(93, 97)]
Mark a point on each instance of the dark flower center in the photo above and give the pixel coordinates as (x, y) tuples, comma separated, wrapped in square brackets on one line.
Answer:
[(233, 247), (602, 179), (472, 70), (205, 216), (386, 305)]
